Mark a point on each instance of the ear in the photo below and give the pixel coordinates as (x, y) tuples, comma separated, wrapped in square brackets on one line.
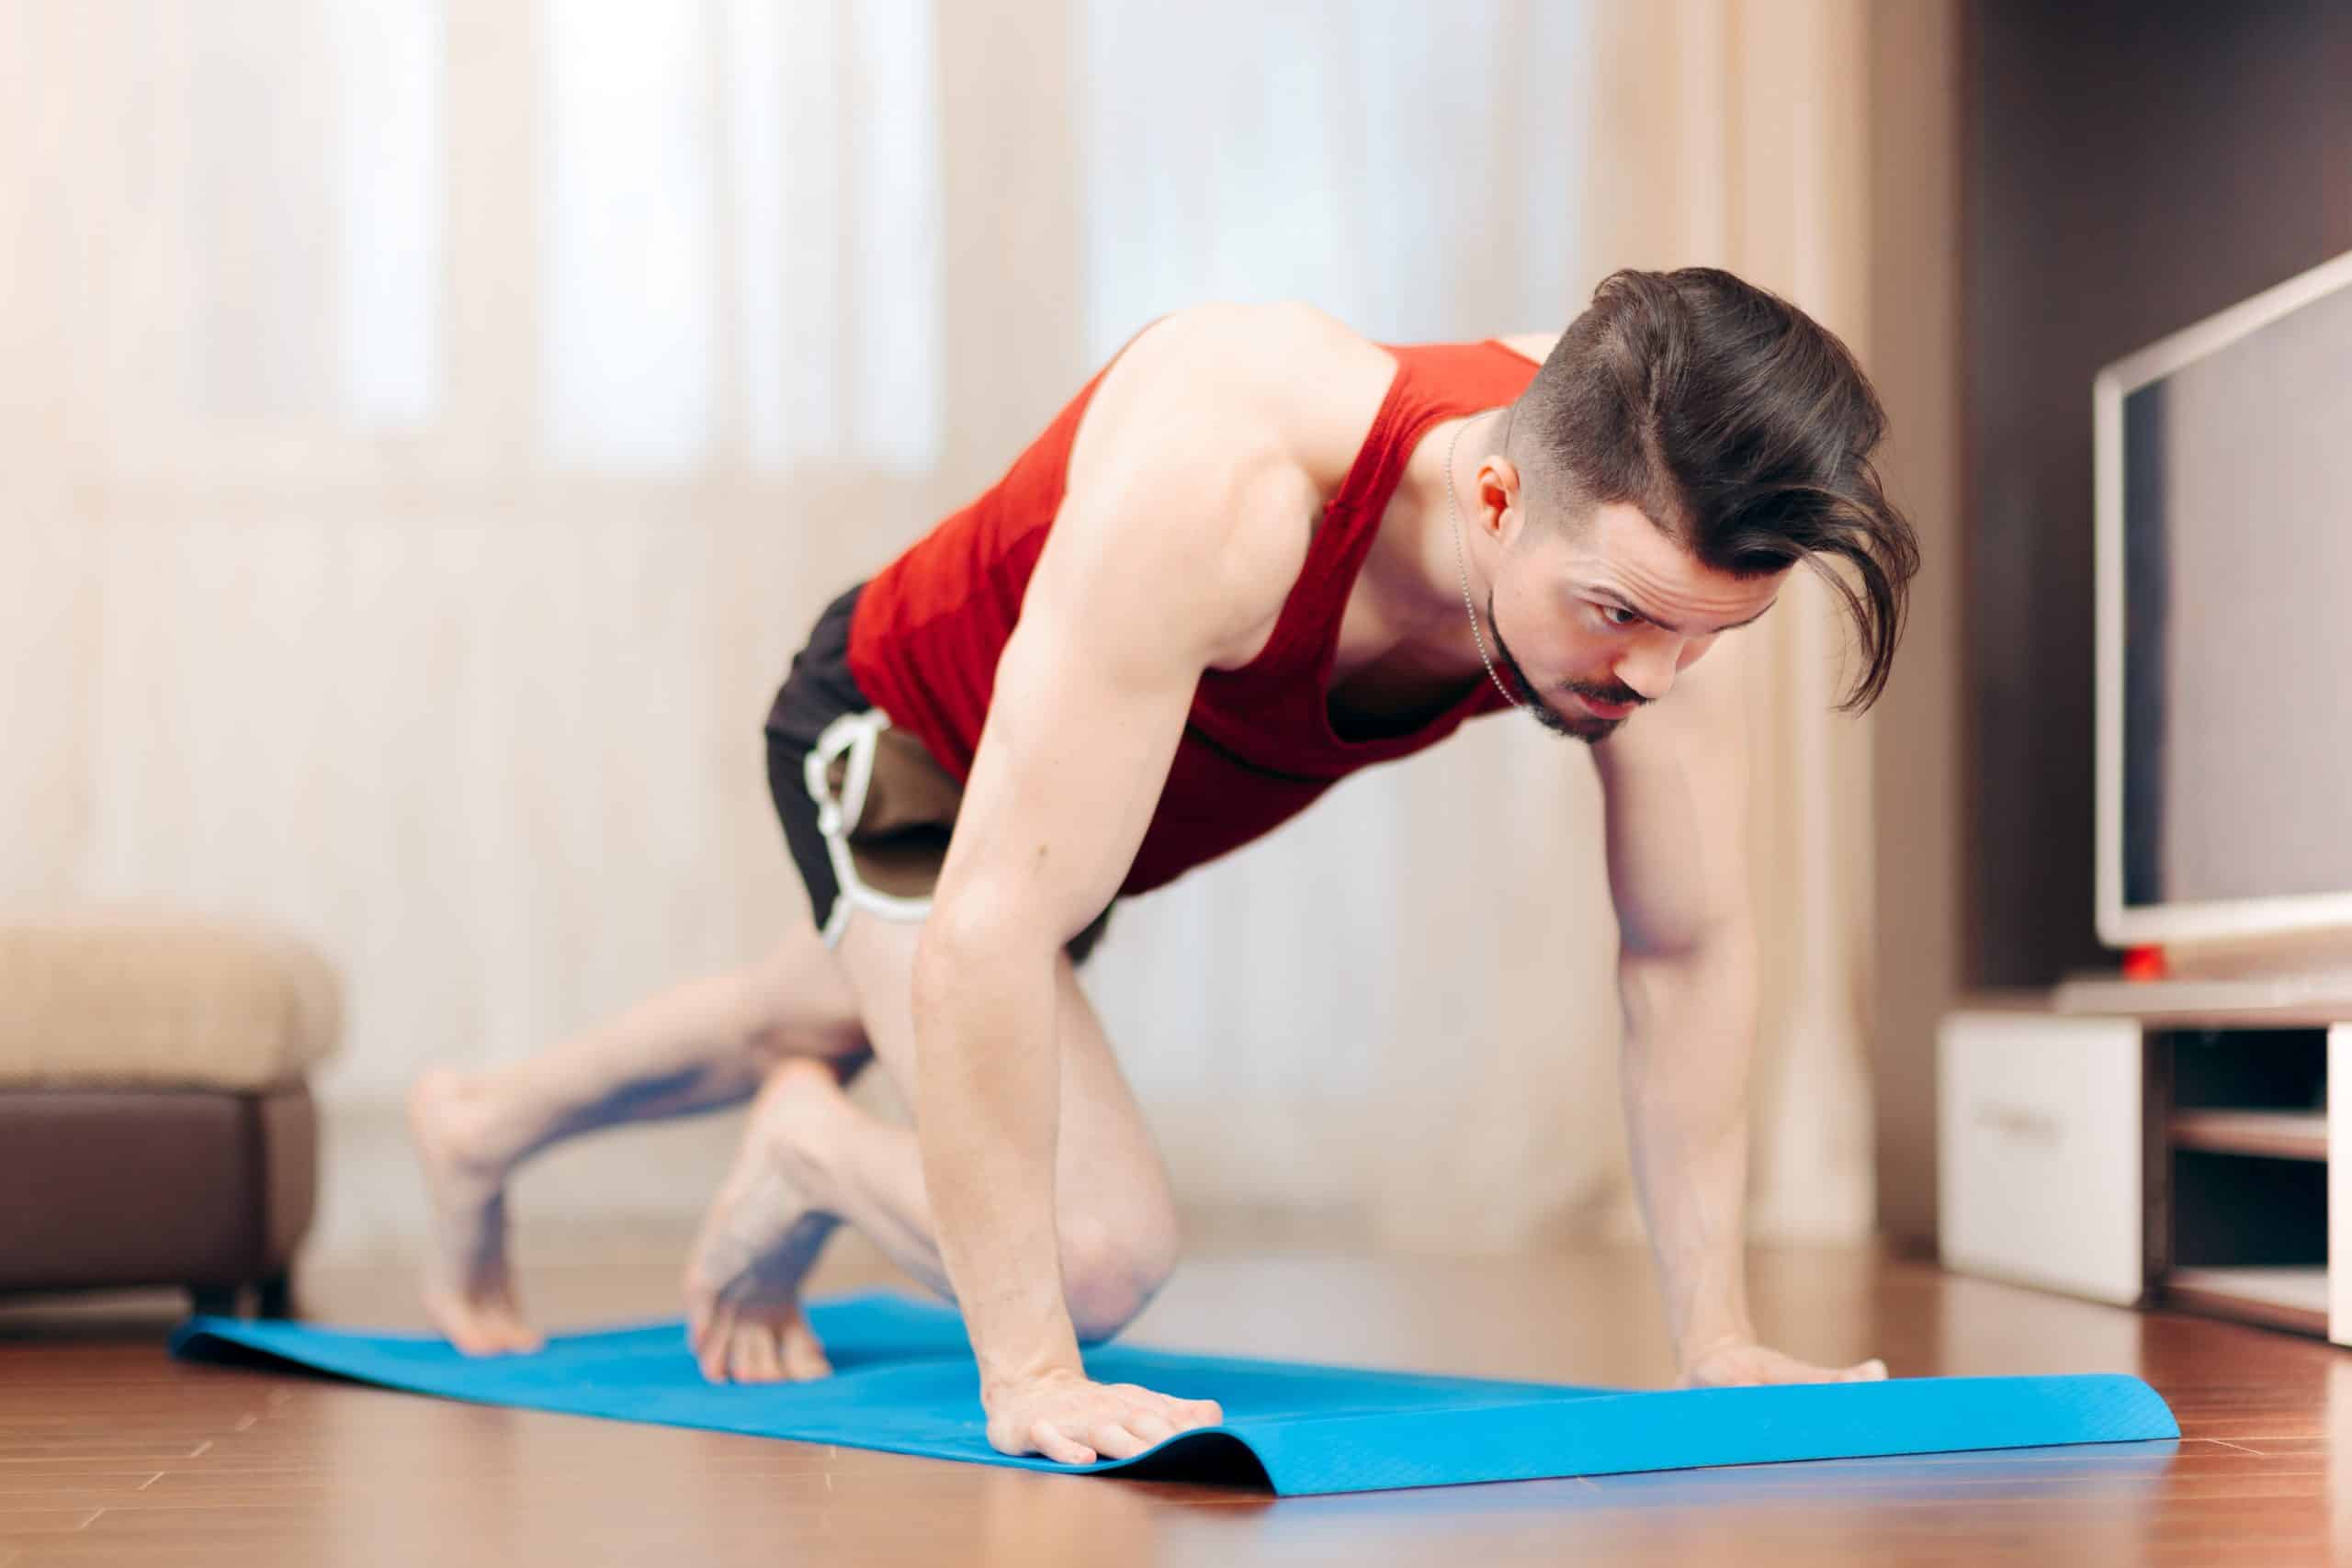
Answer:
[(1497, 510)]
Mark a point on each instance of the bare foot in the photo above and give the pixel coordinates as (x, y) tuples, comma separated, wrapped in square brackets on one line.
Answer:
[(469, 1291), (762, 1234)]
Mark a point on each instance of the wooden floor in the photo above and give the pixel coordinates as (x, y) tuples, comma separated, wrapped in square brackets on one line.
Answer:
[(111, 1454)]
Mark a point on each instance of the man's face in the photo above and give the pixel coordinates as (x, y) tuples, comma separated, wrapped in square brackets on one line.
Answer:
[(1593, 620)]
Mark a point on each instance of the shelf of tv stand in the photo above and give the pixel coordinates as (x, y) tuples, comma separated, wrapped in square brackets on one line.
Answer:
[(2280, 1296), (2236, 1131), (2273, 1135)]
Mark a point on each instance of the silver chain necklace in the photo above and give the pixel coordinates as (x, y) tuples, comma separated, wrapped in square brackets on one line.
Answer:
[(1462, 563)]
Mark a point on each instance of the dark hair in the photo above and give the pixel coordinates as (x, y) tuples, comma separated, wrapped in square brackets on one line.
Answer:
[(1740, 426)]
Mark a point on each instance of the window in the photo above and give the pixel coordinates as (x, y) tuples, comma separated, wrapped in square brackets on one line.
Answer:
[(311, 228), (1350, 156), (741, 246)]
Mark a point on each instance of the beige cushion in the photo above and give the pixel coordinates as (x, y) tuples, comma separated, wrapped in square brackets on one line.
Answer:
[(99, 998)]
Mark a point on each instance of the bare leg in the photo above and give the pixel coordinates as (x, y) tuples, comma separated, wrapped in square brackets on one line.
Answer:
[(762, 1234), (695, 1047), (810, 1160)]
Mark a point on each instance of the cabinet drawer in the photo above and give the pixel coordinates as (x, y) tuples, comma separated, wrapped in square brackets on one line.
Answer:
[(2038, 1157)]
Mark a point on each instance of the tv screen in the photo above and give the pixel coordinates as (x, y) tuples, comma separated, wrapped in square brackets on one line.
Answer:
[(2236, 574)]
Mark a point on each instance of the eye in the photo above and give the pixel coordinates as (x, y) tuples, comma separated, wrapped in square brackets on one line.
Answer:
[(1617, 615)]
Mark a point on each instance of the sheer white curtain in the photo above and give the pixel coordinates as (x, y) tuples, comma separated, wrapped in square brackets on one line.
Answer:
[(1317, 1021), (430, 428)]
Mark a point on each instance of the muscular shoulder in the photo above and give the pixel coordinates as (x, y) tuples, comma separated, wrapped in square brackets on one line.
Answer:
[(1221, 431), (1302, 383)]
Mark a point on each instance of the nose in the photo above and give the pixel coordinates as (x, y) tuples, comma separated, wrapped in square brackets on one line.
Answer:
[(1651, 671)]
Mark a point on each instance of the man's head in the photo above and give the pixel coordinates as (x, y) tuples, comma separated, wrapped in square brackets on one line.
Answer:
[(1689, 441)]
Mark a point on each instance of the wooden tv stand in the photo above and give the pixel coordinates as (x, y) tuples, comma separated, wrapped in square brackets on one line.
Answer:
[(2201, 1112)]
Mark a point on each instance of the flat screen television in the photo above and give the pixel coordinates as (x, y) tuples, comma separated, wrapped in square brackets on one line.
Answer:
[(2224, 625)]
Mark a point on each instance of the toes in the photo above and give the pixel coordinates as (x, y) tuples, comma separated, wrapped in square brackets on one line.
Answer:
[(804, 1358), (761, 1351), (493, 1326), (468, 1331), (466, 1342), (519, 1339), (712, 1343), (477, 1336), (733, 1346), (498, 1318), (753, 1358), (708, 1313)]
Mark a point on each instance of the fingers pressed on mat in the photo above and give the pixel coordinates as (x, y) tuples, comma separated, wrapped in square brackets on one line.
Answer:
[(1151, 1428), (1051, 1441), (1115, 1439)]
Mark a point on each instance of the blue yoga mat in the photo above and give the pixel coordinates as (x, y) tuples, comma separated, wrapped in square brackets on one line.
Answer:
[(904, 1383)]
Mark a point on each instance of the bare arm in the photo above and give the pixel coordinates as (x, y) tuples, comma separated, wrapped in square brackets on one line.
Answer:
[(1159, 566), (1676, 782)]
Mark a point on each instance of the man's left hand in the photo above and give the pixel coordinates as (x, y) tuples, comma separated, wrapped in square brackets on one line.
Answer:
[(1744, 1364)]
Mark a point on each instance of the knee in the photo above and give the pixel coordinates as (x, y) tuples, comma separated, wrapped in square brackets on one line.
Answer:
[(1112, 1265)]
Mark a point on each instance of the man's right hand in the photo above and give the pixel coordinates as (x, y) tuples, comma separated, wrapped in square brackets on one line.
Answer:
[(1185, 519), (1073, 1420)]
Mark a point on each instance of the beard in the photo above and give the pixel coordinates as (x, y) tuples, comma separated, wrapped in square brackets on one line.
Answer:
[(1590, 728)]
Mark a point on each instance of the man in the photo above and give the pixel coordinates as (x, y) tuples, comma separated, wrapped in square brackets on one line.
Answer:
[(1256, 553)]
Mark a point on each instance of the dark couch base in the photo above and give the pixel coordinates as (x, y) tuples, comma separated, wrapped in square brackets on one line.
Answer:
[(210, 1191)]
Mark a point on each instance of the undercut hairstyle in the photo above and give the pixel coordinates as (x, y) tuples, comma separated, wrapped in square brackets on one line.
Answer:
[(1737, 424)]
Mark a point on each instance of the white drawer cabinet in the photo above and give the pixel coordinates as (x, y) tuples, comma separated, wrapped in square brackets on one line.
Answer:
[(2039, 1153), (2192, 1150)]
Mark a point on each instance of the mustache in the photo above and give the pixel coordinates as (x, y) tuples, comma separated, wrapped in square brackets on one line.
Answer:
[(1579, 729), (1610, 691), (1605, 692)]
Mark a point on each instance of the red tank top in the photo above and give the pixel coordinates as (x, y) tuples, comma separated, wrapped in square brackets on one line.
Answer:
[(1259, 745)]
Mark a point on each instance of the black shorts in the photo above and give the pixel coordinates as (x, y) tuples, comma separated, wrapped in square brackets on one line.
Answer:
[(866, 809)]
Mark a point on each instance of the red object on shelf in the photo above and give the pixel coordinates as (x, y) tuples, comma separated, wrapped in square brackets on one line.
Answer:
[(2143, 963)]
